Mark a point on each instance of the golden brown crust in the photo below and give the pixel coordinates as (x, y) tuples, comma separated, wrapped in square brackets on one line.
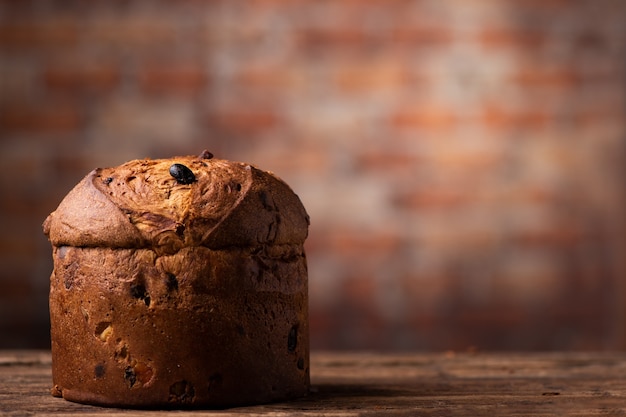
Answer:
[(86, 217), (139, 204)]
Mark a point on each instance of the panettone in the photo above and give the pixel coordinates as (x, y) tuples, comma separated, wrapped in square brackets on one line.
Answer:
[(179, 282)]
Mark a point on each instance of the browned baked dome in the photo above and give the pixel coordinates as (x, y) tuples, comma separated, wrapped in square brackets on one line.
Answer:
[(141, 204)]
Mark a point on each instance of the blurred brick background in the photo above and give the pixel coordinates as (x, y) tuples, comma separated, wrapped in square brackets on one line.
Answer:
[(462, 160)]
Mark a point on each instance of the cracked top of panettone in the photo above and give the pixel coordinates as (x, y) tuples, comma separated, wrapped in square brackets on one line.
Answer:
[(169, 204)]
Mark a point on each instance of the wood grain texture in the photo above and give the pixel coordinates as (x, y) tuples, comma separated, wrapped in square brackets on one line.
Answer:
[(367, 384)]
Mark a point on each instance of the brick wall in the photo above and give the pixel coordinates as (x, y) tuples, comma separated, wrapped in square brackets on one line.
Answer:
[(462, 160)]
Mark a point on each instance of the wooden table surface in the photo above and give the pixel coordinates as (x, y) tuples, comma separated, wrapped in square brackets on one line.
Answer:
[(367, 384)]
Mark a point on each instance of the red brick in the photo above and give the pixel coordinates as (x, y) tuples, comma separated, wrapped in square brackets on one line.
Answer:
[(386, 162), (139, 31), (16, 288), (357, 310), (544, 6), (533, 194), (599, 116), (82, 78), (18, 247), (44, 33), (304, 159), (243, 121), (26, 209), (70, 165), (426, 287), (52, 118), (275, 77), (31, 171), (475, 162), (498, 117), (323, 324), (224, 33), (512, 38), (536, 77), (333, 37), (433, 199), (376, 77), (418, 36), (359, 291), (496, 315), (351, 243), (348, 242), (425, 116), (557, 236), (177, 78), (592, 39)]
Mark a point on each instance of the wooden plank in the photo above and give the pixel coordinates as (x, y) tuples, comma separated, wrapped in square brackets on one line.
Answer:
[(367, 384)]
